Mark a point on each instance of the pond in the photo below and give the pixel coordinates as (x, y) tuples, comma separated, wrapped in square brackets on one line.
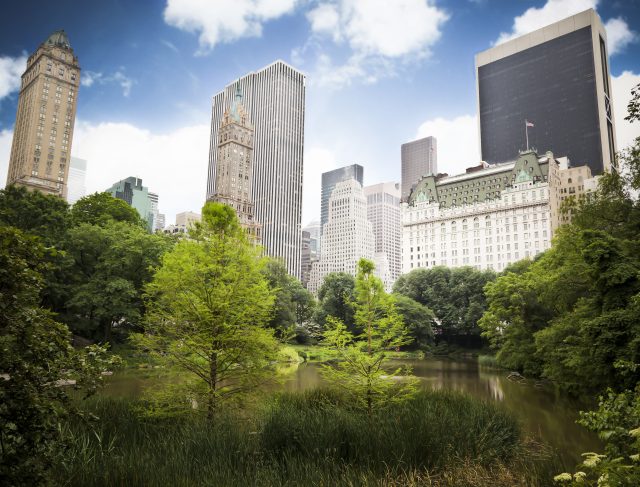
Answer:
[(543, 411)]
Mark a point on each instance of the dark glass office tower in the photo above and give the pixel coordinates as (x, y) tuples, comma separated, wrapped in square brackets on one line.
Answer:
[(557, 78), (418, 158), (329, 181)]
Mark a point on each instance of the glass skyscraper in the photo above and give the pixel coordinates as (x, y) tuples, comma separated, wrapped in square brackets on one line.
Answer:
[(274, 98), (557, 78)]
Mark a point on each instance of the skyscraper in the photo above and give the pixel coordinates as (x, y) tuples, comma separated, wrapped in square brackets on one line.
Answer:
[(77, 181), (305, 258), (158, 218), (419, 158), (347, 236), (135, 194), (310, 249), (384, 213), (557, 79), (44, 122), (274, 98), (329, 181), (234, 171)]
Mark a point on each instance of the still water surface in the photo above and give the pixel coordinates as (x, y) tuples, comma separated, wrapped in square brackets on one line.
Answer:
[(543, 411)]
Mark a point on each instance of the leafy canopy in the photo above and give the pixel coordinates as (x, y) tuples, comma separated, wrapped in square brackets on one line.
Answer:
[(208, 306), (360, 370), (36, 358), (101, 208)]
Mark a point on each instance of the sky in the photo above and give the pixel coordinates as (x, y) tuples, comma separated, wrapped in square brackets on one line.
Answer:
[(379, 73)]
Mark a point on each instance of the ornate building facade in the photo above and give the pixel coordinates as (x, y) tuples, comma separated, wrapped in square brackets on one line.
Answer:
[(234, 165), (487, 218), (41, 148)]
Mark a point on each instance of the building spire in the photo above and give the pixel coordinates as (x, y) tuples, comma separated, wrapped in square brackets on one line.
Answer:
[(58, 38)]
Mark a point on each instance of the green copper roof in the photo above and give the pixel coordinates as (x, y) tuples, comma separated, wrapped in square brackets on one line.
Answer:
[(58, 38), (237, 101)]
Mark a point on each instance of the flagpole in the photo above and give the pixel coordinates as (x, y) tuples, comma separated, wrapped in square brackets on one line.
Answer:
[(526, 132)]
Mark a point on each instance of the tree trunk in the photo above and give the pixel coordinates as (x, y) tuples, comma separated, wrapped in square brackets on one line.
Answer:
[(369, 392), (107, 331), (213, 380)]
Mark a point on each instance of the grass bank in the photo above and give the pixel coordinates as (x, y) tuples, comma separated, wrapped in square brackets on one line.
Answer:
[(438, 438)]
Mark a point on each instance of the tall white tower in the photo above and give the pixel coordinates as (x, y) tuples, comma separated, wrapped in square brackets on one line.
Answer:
[(385, 214), (348, 234), (274, 98)]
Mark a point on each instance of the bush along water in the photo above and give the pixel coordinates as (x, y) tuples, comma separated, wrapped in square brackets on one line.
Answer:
[(317, 438)]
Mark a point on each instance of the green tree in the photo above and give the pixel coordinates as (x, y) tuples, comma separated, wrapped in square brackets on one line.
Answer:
[(101, 208), (107, 267), (334, 299), (456, 297), (36, 359), (418, 319), (46, 216), (294, 305), (208, 307), (360, 370)]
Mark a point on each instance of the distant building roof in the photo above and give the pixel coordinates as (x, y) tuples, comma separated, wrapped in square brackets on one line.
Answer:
[(58, 38)]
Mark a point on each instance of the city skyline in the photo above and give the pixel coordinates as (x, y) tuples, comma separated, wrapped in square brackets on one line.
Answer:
[(155, 57)]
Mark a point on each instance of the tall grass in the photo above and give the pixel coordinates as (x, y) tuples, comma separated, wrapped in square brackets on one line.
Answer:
[(438, 438), (489, 361), (430, 430)]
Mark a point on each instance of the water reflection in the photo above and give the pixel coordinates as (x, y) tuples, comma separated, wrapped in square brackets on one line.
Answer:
[(543, 411)]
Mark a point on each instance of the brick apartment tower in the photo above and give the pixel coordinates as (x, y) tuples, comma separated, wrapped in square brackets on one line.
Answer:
[(41, 149)]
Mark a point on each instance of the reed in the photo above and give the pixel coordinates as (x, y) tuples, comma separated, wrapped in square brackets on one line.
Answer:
[(314, 438)]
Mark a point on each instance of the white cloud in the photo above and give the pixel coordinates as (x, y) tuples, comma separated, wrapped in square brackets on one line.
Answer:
[(325, 19), (174, 164), (535, 18), (618, 32), (170, 45), (224, 20), (626, 132), (89, 78), (6, 136), (619, 35), (457, 139), (11, 70), (378, 36)]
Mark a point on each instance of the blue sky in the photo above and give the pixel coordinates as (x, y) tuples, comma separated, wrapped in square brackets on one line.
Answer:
[(380, 73)]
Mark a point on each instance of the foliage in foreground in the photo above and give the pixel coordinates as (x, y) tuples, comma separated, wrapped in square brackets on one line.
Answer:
[(36, 360), (617, 422), (360, 369), (208, 307), (437, 438)]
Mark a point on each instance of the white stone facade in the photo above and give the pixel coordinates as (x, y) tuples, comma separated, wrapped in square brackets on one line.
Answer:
[(385, 214), (348, 234), (508, 225)]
